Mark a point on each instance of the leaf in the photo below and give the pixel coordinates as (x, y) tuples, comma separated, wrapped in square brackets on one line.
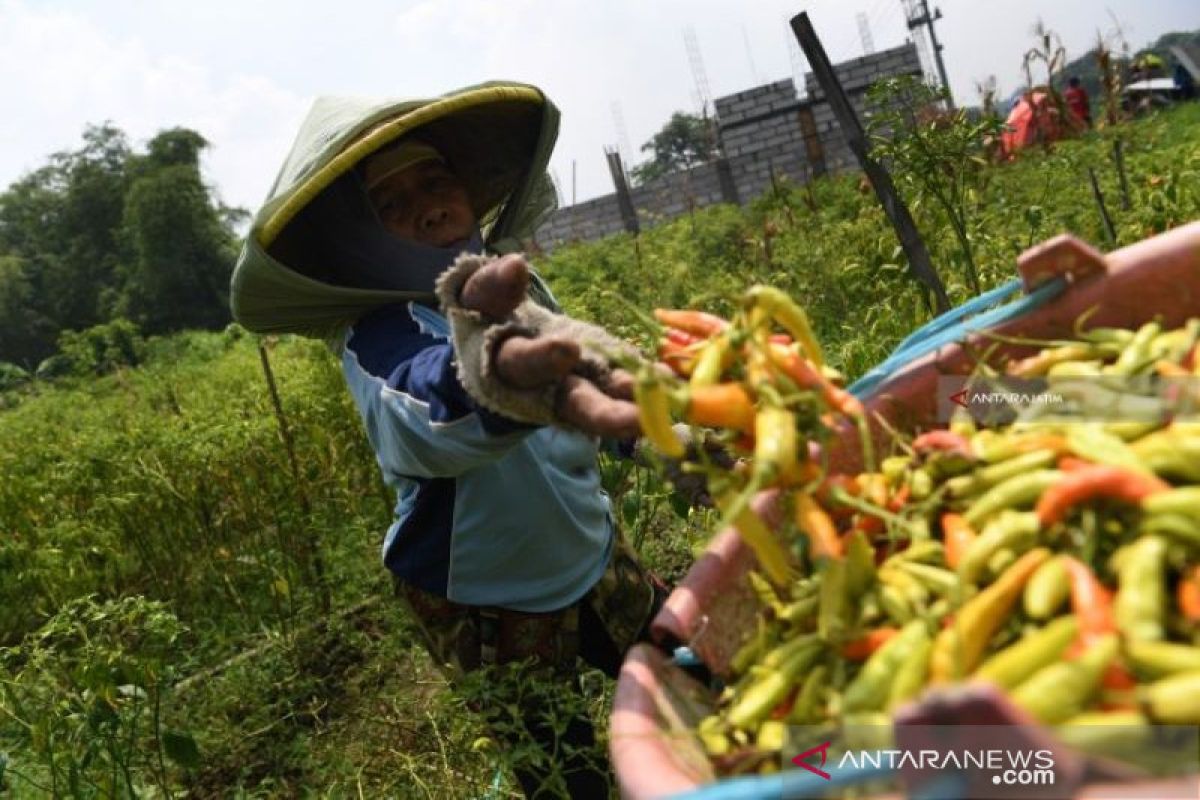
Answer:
[(181, 748), (281, 587)]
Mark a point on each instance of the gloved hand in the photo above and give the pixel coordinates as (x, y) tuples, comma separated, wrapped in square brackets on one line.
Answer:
[(691, 485), (523, 361)]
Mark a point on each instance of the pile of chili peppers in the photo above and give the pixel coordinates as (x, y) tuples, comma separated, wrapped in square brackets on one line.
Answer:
[(1056, 559)]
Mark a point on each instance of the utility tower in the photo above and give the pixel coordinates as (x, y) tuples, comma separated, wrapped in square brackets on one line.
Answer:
[(917, 12), (703, 95), (864, 33)]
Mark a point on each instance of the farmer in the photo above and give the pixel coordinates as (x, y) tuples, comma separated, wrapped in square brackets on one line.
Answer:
[(1078, 102), (503, 545)]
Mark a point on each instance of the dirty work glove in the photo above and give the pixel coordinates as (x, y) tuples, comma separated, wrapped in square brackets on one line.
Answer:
[(527, 363), (689, 485)]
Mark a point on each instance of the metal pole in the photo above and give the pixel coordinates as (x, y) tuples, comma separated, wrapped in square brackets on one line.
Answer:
[(895, 209), (927, 20)]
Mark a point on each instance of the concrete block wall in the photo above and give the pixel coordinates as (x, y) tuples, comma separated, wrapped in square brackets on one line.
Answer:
[(761, 135)]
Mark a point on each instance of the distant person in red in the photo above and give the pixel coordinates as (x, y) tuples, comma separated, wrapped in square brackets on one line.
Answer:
[(1078, 102)]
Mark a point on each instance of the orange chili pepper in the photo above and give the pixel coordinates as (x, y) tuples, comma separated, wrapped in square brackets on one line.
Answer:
[(1091, 603), (942, 441), (681, 336), (1073, 463), (1091, 482), (957, 536), (721, 405), (818, 526), (860, 649), (1188, 595), (806, 375), (680, 358), (1169, 369), (700, 323), (899, 499)]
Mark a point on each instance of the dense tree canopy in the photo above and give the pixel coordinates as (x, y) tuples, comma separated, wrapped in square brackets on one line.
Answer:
[(105, 233), (685, 141)]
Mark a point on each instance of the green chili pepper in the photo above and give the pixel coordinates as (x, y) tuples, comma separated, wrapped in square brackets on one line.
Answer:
[(908, 585), (749, 652), (1177, 527), (807, 707), (870, 689), (781, 654), (800, 610), (1156, 659), (896, 604), (1016, 663), (1018, 491), (1016, 530), (1170, 454), (860, 563), (1185, 500), (911, 675), (893, 468), (920, 484), (927, 550), (1140, 607), (942, 581), (1047, 590), (761, 697), (1093, 443), (835, 602), (1076, 369), (989, 476), (1174, 700), (1062, 690), (1118, 336), (712, 732), (771, 736), (1136, 355)]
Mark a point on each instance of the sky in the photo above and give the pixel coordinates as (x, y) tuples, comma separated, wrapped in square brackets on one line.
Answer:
[(243, 73)]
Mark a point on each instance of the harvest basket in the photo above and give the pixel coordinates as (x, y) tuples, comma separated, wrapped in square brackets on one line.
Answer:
[(712, 611)]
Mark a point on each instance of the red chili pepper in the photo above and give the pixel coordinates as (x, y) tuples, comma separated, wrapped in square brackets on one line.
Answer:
[(1073, 463), (860, 649), (807, 376), (899, 499), (681, 337), (1090, 601), (1189, 595), (942, 441), (700, 323), (680, 358), (1091, 482)]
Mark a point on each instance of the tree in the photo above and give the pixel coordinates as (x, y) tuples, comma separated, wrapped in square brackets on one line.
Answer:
[(685, 141)]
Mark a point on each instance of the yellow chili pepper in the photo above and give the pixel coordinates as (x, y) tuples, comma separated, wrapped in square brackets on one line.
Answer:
[(771, 554), (791, 316), (654, 413)]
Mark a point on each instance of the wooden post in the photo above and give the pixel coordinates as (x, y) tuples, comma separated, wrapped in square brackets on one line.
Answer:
[(624, 198), (1119, 157), (895, 209), (1107, 220)]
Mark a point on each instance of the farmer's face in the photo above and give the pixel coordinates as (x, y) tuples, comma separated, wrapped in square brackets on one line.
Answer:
[(425, 203)]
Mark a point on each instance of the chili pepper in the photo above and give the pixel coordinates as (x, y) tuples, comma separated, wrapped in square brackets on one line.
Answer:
[(1118, 336), (807, 707), (1188, 594), (1178, 527), (699, 323), (958, 536), (1047, 590), (770, 552), (894, 468), (1157, 659), (772, 733), (681, 359), (807, 376), (958, 648), (926, 551), (993, 474), (1090, 601), (1017, 662), (1136, 354), (719, 405), (1076, 369), (943, 441), (860, 649), (940, 581), (787, 313), (860, 563), (1040, 363), (799, 611), (835, 603), (993, 447), (712, 733), (913, 589), (1184, 500), (1174, 700), (782, 653), (911, 675), (1071, 463), (895, 604), (1170, 452), (1140, 607), (899, 499), (654, 413), (1102, 480), (920, 484), (774, 445), (1093, 443), (764, 592), (1009, 529), (711, 361), (1062, 690), (749, 652), (1021, 490), (815, 523), (678, 336), (757, 702), (870, 688), (1169, 369)]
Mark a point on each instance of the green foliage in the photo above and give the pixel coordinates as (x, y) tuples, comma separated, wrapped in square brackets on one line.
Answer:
[(83, 698), (102, 348), (104, 232), (684, 141), (938, 156)]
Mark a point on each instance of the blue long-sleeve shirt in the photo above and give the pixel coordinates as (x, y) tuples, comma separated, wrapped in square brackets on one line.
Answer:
[(489, 511)]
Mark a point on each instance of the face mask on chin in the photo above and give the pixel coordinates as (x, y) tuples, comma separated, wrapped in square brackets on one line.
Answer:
[(359, 250)]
